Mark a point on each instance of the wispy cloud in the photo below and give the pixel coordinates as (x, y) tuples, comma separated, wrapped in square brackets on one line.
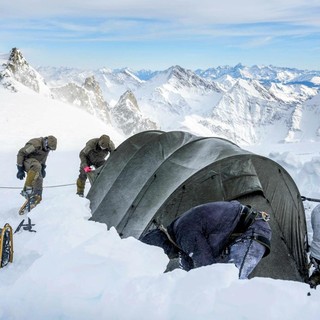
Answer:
[(185, 11), (137, 29), (207, 23)]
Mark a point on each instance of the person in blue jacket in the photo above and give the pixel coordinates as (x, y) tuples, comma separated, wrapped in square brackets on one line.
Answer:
[(216, 232)]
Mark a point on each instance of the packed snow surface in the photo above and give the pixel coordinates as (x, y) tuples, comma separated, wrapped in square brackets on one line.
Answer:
[(73, 268)]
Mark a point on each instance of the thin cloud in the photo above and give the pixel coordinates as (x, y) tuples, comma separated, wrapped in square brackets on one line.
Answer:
[(259, 42), (184, 11), (205, 27), (136, 30), (153, 19)]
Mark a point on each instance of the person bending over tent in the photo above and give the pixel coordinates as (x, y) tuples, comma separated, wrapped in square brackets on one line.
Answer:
[(314, 279), (216, 232), (93, 154)]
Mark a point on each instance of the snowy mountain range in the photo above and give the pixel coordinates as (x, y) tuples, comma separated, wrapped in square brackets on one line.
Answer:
[(247, 105)]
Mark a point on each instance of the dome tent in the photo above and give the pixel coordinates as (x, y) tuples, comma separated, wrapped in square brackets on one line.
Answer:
[(155, 176)]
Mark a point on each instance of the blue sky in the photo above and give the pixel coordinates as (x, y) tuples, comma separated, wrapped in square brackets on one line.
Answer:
[(149, 34)]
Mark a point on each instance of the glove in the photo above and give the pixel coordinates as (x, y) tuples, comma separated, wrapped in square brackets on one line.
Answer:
[(20, 173), (43, 170), (87, 169)]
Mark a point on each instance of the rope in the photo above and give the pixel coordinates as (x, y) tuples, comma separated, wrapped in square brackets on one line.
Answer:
[(60, 185), (309, 199), (10, 187), (55, 186), (46, 187)]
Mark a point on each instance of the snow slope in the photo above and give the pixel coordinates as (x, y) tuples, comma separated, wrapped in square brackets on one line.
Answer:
[(72, 268)]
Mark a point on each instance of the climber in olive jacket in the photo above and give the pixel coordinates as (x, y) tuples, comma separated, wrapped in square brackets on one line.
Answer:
[(32, 159), (216, 232), (93, 154)]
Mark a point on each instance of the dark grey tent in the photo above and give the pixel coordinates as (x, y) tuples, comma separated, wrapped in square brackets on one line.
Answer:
[(155, 176)]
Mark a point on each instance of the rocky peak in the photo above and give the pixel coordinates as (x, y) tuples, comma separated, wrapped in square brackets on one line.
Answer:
[(180, 77), (91, 84), (18, 71), (88, 97), (16, 61), (129, 98), (126, 115)]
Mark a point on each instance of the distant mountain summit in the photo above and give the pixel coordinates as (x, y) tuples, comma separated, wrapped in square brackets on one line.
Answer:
[(16, 70), (264, 74), (247, 105), (179, 77), (87, 96), (128, 117)]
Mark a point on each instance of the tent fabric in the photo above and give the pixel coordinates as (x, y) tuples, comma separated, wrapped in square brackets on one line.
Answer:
[(155, 176), (106, 176)]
